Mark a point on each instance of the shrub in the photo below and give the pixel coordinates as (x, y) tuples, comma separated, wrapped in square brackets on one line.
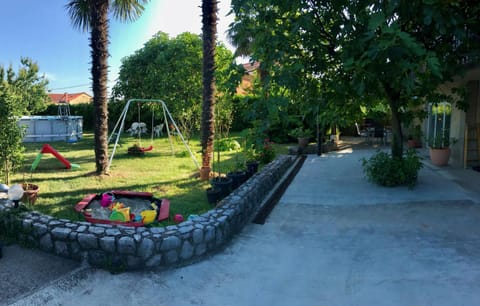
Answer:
[(267, 153), (385, 170), (226, 144)]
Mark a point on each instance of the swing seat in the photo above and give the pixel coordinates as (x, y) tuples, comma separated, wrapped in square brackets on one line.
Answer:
[(150, 148)]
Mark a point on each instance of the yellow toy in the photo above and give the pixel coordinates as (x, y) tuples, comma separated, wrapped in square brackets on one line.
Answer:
[(148, 216), (116, 206)]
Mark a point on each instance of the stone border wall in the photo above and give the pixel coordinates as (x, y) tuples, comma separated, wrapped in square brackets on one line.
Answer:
[(128, 248)]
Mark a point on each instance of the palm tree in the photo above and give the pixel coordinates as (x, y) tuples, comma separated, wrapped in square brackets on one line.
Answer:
[(93, 15), (209, 29)]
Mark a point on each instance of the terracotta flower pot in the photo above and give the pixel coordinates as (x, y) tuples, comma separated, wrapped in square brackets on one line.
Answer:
[(205, 173), (30, 193), (303, 142), (440, 157), (413, 143)]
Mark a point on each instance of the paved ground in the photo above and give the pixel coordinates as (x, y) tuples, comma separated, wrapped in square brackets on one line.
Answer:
[(333, 239)]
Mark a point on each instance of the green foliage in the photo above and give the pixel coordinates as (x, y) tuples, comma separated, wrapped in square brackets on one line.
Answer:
[(300, 132), (267, 152), (338, 55), (170, 69), (21, 93), (11, 229), (226, 144), (385, 170), (441, 140)]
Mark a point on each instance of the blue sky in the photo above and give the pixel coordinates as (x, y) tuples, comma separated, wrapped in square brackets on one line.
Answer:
[(42, 31)]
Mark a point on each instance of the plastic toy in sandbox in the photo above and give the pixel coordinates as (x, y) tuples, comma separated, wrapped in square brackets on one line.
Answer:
[(121, 207)]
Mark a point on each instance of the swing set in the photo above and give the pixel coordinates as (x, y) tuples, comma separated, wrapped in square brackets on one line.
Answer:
[(120, 125), (139, 130)]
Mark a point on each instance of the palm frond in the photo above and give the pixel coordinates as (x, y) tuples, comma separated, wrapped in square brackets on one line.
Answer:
[(79, 12), (128, 10)]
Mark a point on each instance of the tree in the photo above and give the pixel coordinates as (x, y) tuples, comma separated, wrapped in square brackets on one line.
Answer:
[(21, 93), (93, 15), (209, 30), (362, 52), (171, 69)]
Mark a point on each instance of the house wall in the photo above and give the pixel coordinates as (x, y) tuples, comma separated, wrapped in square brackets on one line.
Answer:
[(82, 98), (460, 118)]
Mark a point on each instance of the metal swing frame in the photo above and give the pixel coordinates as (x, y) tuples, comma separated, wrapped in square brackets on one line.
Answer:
[(120, 125)]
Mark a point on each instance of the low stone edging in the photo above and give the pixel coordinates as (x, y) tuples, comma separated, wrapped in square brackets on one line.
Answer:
[(127, 248)]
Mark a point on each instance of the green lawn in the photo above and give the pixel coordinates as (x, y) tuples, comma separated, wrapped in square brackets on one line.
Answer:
[(161, 172)]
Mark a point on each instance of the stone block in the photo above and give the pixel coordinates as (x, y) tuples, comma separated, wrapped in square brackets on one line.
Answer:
[(46, 243), (61, 248), (97, 230), (107, 244), (146, 248), (187, 251), (88, 241), (197, 236), (171, 257), (200, 249), (126, 245), (170, 243), (39, 229), (155, 261), (61, 233), (113, 232)]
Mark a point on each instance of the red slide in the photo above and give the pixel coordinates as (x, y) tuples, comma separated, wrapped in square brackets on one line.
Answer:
[(48, 149)]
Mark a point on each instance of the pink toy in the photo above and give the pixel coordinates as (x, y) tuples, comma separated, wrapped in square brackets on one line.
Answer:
[(178, 218), (107, 199)]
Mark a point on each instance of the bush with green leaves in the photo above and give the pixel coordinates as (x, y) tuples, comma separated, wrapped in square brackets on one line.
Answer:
[(226, 144), (21, 93), (384, 170), (267, 153)]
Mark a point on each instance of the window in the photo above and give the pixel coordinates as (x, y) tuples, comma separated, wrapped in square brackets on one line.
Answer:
[(439, 117)]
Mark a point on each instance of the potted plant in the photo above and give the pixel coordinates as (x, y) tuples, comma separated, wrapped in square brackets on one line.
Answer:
[(440, 148), (214, 195), (238, 175), (30, 192), (414, 139), (267, 153), (251, 156), (220, 181), (302, 135)]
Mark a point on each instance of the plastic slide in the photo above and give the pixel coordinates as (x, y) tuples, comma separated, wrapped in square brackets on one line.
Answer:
[(49, 149)]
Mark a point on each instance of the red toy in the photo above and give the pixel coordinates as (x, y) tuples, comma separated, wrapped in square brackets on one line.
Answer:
[(178, 218)]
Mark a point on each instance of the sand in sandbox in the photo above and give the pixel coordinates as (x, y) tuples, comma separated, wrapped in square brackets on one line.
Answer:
[(137, 205)]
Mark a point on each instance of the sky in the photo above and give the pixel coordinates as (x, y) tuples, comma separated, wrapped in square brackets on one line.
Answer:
[(42, 30)]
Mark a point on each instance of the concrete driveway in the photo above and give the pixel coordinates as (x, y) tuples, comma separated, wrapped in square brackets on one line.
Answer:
[(333, 239)]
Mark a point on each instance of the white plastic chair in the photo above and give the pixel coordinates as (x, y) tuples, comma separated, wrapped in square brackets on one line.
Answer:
[(362, 133)]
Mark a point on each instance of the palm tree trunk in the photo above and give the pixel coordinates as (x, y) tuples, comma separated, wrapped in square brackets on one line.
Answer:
[(209, 22), (99, 47)]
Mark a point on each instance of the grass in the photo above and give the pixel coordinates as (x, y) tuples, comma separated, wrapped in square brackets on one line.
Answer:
[(164, 173)]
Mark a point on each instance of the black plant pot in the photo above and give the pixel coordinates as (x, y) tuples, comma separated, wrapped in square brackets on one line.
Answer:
[(252, 167), (238, 178), (214, 195), (224, 184)]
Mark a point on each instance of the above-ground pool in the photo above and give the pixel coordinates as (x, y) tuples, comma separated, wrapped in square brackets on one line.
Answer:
[(52, 128)]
